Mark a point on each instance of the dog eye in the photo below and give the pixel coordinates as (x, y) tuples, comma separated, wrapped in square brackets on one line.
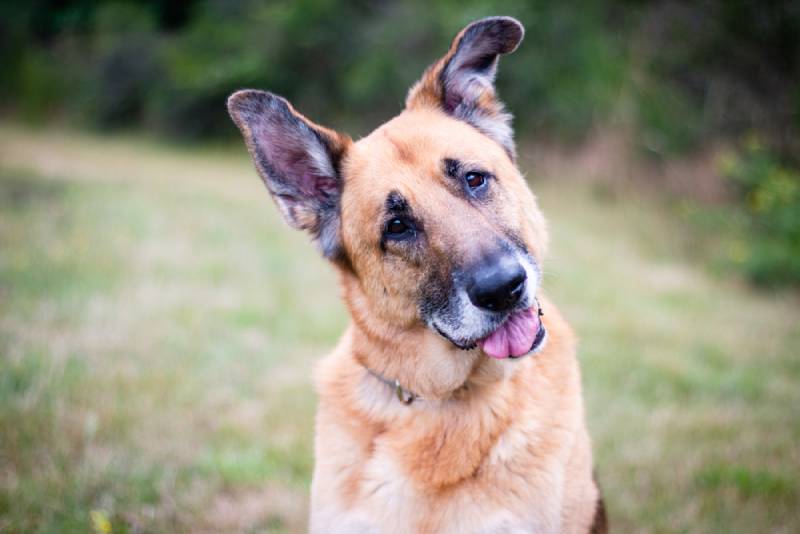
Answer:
[(398, 228), (475, 179)]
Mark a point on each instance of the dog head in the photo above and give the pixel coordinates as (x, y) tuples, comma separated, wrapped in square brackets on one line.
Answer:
[(428, 217)]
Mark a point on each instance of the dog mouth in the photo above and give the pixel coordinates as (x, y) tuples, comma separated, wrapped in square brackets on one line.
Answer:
[(521, 333)]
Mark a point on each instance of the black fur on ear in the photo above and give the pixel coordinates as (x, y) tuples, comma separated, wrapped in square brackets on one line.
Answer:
[(298, 161), (462, 82)]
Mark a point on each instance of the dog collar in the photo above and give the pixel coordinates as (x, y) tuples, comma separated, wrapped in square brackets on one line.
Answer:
[(405, 396)]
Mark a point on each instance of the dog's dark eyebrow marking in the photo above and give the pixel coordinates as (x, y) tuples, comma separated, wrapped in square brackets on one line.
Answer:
[(456, 170), (397, 204), (452, 167)]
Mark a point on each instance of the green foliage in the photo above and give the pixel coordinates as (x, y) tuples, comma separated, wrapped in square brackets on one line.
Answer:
[(771, 201), (675, 72), (126, 66), (723, 68), (40, 84), (667, 120)]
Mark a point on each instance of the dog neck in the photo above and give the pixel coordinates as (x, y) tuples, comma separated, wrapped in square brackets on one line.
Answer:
[(423, 363)]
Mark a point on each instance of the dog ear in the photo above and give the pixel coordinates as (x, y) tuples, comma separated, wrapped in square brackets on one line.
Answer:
[(462, 82), (298, 161)]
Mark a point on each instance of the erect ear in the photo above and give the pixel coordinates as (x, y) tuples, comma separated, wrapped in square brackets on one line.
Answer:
[(462, 82), (298, 161)]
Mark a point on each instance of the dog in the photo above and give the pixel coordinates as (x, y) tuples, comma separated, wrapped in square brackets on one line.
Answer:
[(452, 403)]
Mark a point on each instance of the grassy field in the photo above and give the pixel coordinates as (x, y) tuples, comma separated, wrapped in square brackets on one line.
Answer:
[(158, 324)]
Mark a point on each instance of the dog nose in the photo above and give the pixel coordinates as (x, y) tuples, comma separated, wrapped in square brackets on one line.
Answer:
[(497, 284)]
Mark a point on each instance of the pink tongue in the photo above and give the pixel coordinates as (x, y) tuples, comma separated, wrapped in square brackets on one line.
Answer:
[(514, 338)]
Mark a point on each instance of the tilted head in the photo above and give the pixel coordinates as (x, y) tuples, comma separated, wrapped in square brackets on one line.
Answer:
[(428, 218)]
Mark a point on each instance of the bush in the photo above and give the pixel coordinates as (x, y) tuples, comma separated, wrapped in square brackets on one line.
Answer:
[(41, 84), (771, 201), (125, 66), (129, 64)]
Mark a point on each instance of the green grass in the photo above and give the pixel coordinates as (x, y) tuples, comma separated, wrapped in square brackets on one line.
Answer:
[(158, 324)]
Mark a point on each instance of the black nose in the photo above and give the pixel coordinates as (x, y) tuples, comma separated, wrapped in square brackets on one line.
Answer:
[(497, 283)]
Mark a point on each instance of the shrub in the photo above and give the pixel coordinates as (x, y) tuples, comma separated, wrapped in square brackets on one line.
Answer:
[(125, 66), (771, 201)]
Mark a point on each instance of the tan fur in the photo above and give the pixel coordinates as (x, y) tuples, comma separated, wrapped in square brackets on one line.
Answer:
[(489, 446), (508, 453), (511, 454)]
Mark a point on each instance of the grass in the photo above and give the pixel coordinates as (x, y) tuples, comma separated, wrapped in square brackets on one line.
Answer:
[(158, 323)]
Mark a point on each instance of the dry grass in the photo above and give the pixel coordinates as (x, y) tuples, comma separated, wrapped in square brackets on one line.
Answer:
[(158, 323)]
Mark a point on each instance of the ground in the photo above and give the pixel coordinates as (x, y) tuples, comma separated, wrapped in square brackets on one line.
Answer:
[(158, 324)]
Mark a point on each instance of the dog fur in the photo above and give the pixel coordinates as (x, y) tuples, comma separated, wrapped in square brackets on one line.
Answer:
[(486, 445)]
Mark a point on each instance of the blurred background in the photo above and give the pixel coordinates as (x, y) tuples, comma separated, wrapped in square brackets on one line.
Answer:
[(158, 322)]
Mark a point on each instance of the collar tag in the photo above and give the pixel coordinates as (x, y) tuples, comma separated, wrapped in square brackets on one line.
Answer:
[(402, 395)]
